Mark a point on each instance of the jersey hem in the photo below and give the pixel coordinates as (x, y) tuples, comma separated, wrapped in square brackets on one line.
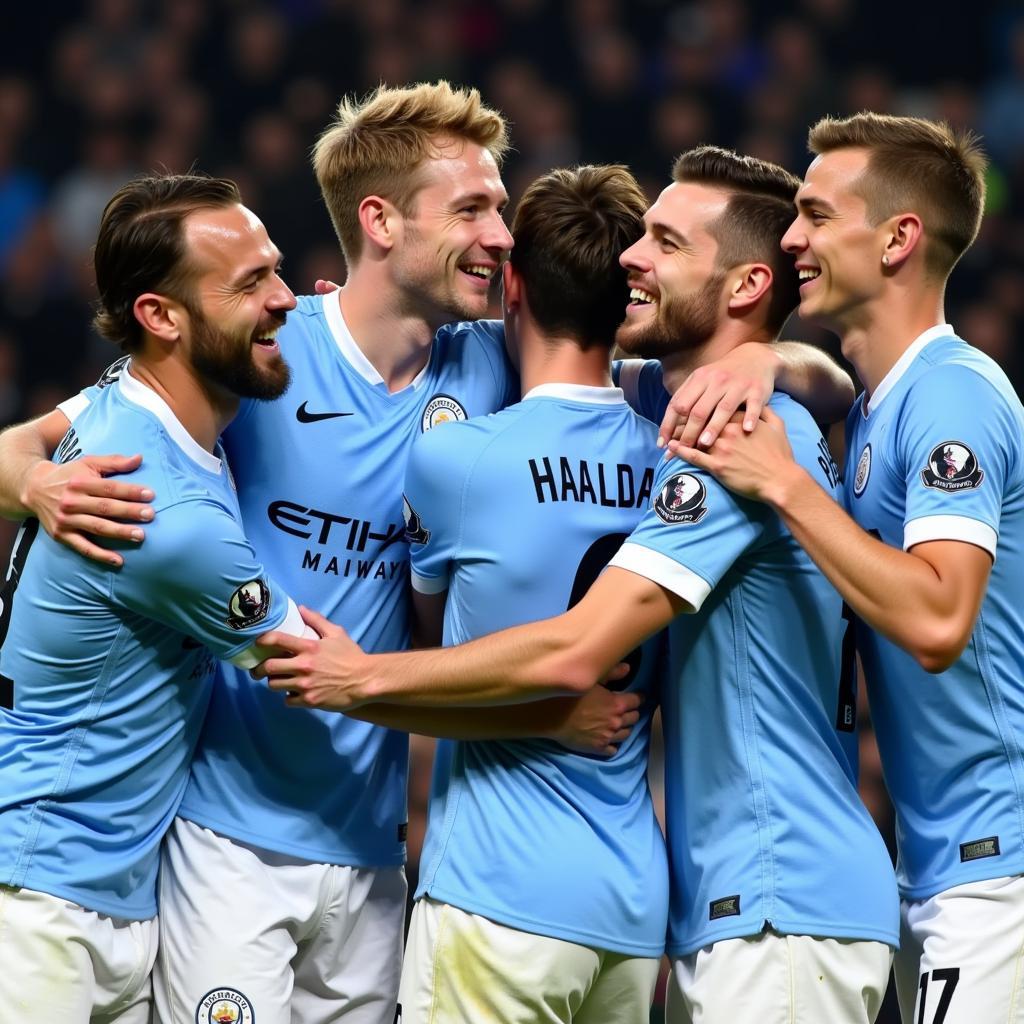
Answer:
[(273, 844), (982, 874), (814, 929), (98, 906), (544, 928)]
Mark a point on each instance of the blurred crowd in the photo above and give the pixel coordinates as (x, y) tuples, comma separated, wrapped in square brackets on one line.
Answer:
[(93, 93)]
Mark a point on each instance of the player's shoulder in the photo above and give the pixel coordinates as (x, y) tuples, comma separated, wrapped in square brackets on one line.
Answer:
[(306, 320), (467, 340), (951, 367), (799, 422)]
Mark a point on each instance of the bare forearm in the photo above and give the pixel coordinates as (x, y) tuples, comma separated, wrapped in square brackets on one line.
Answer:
[(518, 721), (21, 448), (814, 380), (897, 593)]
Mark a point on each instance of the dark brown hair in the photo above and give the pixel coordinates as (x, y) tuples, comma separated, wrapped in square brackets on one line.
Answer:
[(759, 211), (141, 246), (570, 228), (915, 166)]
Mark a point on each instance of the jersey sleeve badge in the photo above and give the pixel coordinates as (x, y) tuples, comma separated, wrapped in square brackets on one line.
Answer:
[(952, 466), (682, 500), (249, 604)]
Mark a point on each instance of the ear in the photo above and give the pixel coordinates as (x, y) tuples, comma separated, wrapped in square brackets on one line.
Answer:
[(380, 221), (511, 287), (160, 316), (904, 233), (749, 285)]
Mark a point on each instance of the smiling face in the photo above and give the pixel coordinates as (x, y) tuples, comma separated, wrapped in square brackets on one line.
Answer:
[(238, 303), (454, 238), (838, 252), (674, 278)]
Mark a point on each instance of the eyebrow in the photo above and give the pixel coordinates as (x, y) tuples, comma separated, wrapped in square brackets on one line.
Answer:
[(804, 202), (661, 228), (480, 197)]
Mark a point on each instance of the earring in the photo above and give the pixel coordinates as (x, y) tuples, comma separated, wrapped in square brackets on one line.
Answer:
[(885, 261)]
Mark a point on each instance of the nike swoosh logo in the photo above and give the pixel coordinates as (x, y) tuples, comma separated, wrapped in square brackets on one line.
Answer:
[(304, 416)]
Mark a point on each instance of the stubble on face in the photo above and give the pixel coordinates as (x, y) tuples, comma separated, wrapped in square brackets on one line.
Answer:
[(681, 324), (228, 359)]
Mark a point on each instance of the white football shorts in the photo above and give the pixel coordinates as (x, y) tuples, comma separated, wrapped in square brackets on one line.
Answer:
[(250, 935), (464, 969), (779, 979), (62, 962), (962, 955)]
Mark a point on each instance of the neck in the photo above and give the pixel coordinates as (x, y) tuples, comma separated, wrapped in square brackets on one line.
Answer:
[(558, 359), (202, 408), (877, 333), (394, 339), (677, 367)]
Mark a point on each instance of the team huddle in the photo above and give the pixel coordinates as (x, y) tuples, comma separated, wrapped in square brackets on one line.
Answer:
[(491, 533)]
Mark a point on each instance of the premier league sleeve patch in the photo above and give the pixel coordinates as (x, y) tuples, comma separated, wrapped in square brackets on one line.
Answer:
[(249, 604), (415, 532), (682, 500), (952, 466)]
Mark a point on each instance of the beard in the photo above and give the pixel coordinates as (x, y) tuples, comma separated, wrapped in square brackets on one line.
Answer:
[(683, 325), (229, 361), (430, 285)]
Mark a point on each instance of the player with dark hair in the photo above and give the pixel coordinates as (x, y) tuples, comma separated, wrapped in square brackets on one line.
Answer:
[(931, 555), (106, 674), (783, 899)]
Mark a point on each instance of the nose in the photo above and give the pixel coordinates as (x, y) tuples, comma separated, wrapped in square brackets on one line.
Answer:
[(794, 240), (634, 259), (498, 235), (281, 296)]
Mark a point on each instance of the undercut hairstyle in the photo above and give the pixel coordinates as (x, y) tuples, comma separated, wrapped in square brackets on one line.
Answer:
[(376, 146), (570, 228), (915, 166), (750, 228), (141, 247)]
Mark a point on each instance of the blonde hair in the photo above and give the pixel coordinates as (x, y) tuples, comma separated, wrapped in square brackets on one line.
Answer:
[(918, 166), (375, 146)]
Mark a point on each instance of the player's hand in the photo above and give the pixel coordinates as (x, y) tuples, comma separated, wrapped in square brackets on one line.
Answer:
[(712, 394), (324, 673), (323, 287), (597, 722), (75, 501), (756, 465)]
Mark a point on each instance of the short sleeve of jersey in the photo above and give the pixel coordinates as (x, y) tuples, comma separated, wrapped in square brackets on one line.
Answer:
[(955, 446), (197, 574), (74, 406), (643, 386), (691, 535), (432, 504)]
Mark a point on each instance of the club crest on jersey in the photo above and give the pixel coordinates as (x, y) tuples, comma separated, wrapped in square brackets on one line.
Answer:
[(441, 409), (225, 1006), (681, 500), (860, 478), (249, 604), (414, 530), (952, 466)]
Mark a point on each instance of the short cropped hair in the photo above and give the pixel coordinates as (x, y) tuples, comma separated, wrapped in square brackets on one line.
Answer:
[(570, 228), (375, 146), (141, 246), (918, 166), (750, 229)]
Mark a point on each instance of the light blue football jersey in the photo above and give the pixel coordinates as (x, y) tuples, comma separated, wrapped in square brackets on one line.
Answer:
[(516, 514), (320, 473), (937, 455), (765, 826), (110, 670)]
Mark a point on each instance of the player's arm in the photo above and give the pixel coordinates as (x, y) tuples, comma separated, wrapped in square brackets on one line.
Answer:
[(564, 655), (427, 619), (746, 377), (74, 500), (925, 599)]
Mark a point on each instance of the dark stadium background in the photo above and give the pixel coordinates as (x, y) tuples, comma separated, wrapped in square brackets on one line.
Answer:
[(92, 93)]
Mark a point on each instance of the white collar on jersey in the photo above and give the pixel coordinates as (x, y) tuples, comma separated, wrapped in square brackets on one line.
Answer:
[(134, 391), (900, 367), (351, 352), (578, 393)]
